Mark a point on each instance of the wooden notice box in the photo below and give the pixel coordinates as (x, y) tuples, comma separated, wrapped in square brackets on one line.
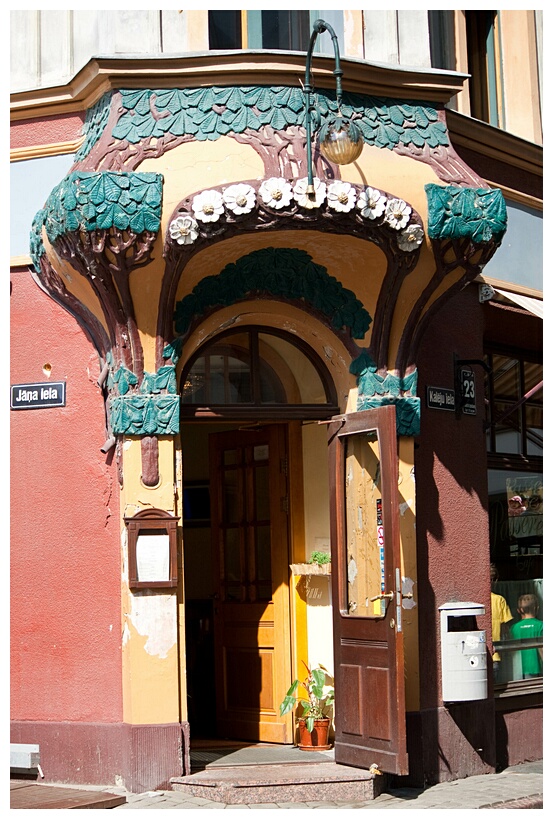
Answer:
[(152, 538)]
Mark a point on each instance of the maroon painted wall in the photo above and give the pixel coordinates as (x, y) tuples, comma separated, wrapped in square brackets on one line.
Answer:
[(65, 544), (456, 740), (452, 544)]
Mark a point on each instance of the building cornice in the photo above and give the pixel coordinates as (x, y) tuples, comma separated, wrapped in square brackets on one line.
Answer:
[(103, 74), (494, 143), (39, 151)]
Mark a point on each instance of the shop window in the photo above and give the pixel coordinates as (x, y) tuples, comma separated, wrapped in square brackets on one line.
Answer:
[(275, 30), (514, 403), (515, 406)]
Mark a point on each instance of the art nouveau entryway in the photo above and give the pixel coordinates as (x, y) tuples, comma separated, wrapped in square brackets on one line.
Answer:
[(244, 523)]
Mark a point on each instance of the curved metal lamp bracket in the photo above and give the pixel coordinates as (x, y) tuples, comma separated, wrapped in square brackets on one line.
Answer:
[(318, 27)]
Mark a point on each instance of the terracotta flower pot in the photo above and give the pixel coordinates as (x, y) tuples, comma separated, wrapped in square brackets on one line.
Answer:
[(317, 739)]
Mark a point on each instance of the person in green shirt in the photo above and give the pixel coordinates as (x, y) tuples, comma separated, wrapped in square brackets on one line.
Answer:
[(529, 627)]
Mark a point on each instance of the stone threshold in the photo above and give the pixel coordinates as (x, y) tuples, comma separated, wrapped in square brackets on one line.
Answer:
[(295, 782)]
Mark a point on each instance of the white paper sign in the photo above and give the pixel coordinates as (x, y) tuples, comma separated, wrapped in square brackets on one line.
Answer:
[(152, 558)]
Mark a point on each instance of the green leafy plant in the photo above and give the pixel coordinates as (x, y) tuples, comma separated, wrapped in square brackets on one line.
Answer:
[(320, 557), (319, 697)]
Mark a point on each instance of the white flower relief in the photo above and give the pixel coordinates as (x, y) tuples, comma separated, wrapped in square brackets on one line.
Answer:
[(302, 198), (276, 192), (184, 230), (341, 196), (397, 213), (208, 206), (410, 238), (239, 198), (371, 203)]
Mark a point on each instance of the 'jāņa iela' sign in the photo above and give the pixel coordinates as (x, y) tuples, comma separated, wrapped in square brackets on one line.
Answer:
[(38, 396)]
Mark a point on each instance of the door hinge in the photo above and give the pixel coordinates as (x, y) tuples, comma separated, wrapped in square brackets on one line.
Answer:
[(284, 466), (285, 504)]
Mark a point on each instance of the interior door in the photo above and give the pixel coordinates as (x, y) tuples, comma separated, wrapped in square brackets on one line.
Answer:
[(251, 612), (367, 612)]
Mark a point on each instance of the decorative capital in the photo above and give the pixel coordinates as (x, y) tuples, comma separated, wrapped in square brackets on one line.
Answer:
[(90, 200), (477, 214), (377, 389)]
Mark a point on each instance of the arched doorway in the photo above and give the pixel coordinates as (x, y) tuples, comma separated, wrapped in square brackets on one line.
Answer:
[(245, 395)]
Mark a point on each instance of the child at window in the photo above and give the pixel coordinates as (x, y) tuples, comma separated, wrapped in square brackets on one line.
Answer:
[(501, 619), (529, 627)]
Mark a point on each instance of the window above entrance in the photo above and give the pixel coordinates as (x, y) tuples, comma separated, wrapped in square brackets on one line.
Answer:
[(280, 30), (260, 370)]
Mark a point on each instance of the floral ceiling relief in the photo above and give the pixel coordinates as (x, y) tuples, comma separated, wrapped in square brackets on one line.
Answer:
[(277, 203)]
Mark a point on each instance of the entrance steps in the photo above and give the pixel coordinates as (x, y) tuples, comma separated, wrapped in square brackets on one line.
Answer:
[(282, 782)]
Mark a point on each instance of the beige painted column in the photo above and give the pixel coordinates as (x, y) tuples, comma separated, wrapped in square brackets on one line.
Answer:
[(150, 618)]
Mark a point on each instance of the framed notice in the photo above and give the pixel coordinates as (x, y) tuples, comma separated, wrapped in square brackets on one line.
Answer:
[(152, 539)]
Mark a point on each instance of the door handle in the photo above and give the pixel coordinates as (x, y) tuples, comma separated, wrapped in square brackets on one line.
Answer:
[(382, 596)]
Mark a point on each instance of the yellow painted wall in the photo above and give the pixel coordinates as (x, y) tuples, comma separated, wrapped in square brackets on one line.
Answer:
[(151, 679), (153, 689), (359, 265), (407, 533)]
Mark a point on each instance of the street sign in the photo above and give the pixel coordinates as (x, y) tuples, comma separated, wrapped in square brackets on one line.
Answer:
[(38, 396), (440, 398)]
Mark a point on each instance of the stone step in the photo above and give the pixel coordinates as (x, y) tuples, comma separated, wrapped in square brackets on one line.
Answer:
[(293, 782)]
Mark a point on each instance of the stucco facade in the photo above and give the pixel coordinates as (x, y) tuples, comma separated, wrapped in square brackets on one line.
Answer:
[(181, 232)]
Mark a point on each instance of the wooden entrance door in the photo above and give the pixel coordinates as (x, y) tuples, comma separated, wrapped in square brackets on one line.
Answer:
[(251, 613), (366, 590)]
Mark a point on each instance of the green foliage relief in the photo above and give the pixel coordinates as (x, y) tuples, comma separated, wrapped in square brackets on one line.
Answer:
[(286, 272), (89, 201), (475, 213), (377, 390), (211, 112)]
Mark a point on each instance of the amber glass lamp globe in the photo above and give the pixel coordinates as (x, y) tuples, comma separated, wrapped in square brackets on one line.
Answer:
[(341, 143)]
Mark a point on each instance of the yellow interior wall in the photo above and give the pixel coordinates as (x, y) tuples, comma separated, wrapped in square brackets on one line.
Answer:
[(316, 492), (298, 605)]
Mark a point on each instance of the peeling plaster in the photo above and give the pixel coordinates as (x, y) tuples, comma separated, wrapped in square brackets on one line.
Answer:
[(154, 617), (403, 507)]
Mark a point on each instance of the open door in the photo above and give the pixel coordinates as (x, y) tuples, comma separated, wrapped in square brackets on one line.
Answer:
[(251, 611), (366, 589)]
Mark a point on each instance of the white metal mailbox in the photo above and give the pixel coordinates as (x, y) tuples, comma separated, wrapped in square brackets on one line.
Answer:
[(464, 660)]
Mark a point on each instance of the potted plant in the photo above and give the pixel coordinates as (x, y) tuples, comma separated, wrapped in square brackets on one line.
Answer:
[(313, 719), (318, 563)]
